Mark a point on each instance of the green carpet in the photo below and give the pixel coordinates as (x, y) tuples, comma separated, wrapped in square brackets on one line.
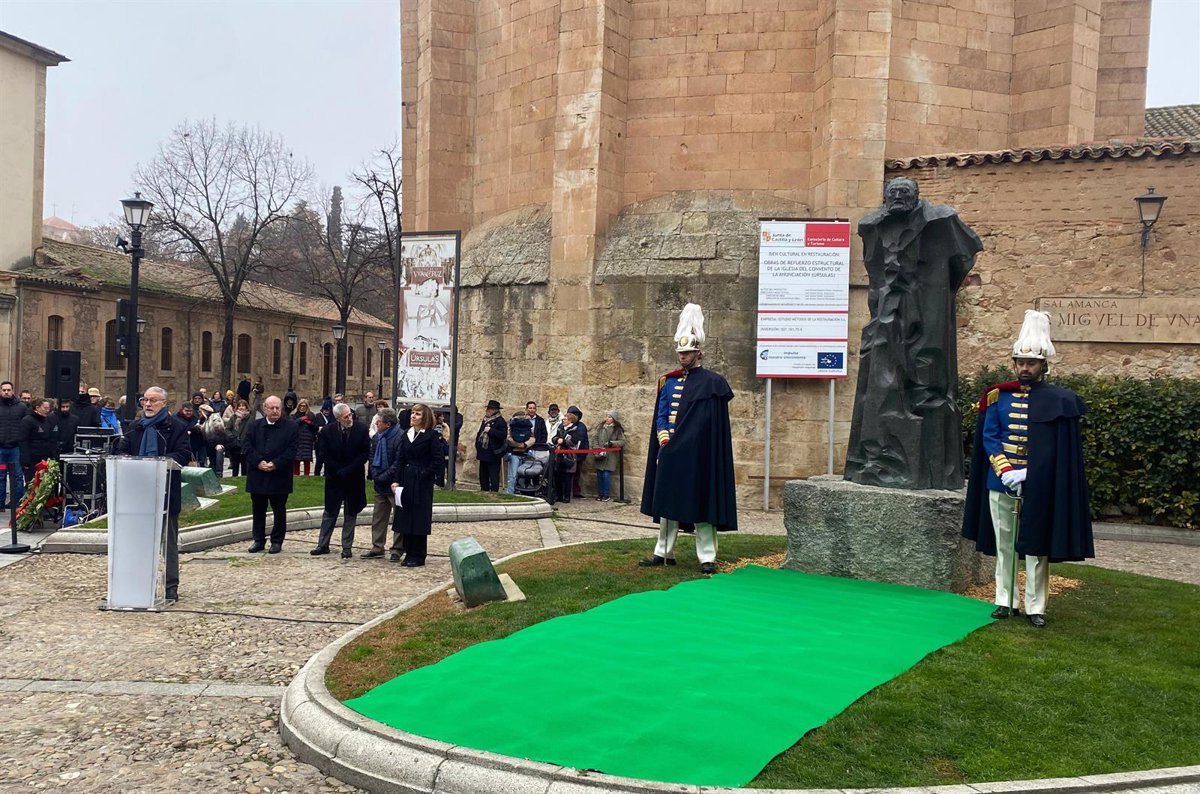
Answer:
[(703, 683)]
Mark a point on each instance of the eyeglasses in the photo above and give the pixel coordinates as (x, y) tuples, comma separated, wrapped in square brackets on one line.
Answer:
[(152, 400)]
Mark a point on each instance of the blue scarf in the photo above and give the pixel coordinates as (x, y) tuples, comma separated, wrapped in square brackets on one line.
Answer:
[(149, 424), (108, 418), (380, 460)]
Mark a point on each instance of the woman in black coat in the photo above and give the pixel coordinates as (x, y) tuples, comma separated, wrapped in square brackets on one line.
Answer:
[(308, 438), (417, 461)]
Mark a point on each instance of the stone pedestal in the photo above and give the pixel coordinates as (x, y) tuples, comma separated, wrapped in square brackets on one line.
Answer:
[(203, 480), (842, 528), (474, 577)]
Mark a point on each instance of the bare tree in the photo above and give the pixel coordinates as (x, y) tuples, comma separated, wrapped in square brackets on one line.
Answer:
[(216, 191), (106, 234), (341, 257), (383, 180)]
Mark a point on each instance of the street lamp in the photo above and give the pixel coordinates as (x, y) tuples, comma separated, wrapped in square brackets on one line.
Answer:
[(141, 325), (137, 212), (339, 336), (291, 357), (1149, 206), (382, 346)]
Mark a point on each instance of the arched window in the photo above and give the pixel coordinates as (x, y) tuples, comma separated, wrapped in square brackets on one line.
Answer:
[(112, 350), (369, 351), (304, 358), (326, 369), (54, 332), (166, 357), (350, 363), (276, 356), (206, 351), (243, 354)]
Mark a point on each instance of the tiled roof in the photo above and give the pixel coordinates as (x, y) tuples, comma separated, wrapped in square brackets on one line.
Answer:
[(56, 222), (1173, 121), (1084, 151), (86, 268)]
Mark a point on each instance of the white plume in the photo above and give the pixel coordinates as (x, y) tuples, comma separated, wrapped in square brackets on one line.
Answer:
[(689, 334), (1034, 339)]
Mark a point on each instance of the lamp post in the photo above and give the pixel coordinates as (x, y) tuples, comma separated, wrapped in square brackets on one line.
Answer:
[(382, 346), (1149, 206), (291, 357), (339, 336), (137, 212), (141, 325)]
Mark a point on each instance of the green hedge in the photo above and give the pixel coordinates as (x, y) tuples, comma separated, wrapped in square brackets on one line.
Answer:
[(1141, 441)]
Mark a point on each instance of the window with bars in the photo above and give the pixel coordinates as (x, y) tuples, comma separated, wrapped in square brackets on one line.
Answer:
[(244, 354), (206, 351), (304, 358), (54, 332), (166, 354)]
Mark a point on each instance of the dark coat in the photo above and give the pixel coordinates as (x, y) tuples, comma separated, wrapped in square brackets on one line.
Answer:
[(12, 411), (173, 443), (690, 479), (417, 462), (308, 436), (89, 414), (1056, 518), (37, 444), (567, 437), (491, 439), (345, 459), (384, 478), (276, 444), (63, 431)]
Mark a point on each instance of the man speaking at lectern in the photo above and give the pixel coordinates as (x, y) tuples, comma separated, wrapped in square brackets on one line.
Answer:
[(158, 434)]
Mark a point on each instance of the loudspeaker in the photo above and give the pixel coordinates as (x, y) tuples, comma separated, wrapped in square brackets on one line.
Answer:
[(62, 374)]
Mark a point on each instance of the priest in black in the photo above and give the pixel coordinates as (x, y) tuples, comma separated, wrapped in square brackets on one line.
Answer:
[(689, 466), (344, 447), (906, 426), (270, 448), (1028, 495)]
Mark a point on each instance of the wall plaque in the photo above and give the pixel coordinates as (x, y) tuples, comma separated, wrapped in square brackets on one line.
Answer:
[(1169, 321)]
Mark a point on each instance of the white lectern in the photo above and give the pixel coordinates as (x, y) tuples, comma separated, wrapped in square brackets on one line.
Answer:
[(137, 536)]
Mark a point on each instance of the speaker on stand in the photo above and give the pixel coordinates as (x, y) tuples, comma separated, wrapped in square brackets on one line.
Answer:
[(62, 374)]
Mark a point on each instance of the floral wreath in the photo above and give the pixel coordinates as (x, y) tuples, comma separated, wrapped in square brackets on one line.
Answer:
[(41, 495)]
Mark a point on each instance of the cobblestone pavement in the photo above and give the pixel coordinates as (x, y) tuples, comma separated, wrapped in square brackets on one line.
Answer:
[(195, 729)]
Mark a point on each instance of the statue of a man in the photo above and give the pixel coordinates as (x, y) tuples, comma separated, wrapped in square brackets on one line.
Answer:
[(907, 428)]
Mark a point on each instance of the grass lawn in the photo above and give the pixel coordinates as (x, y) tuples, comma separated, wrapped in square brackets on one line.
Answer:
[(308, 492), (1112, 684)]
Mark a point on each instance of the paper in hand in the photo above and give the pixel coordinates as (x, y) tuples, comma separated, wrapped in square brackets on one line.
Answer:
[(399, 491)]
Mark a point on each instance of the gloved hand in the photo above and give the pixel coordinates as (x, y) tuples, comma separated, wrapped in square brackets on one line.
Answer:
[(1012, 478)]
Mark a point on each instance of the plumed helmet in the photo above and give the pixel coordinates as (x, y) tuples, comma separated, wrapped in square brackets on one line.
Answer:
[(689, 334), (1034, 339)]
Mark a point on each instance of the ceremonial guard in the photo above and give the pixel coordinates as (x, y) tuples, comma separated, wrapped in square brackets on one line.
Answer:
[(689, 467), (1027, 494)]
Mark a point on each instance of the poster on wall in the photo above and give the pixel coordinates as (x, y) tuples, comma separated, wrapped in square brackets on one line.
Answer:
[(803, 299), (428, 282)]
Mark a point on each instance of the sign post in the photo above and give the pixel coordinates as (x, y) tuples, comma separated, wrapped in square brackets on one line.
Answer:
[(803, 309)]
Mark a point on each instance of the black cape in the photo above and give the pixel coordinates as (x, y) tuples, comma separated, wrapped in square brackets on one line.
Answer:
[(690, 480), (1056, 518)]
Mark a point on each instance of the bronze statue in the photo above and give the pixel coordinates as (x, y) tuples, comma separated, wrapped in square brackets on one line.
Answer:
[(907, 428)]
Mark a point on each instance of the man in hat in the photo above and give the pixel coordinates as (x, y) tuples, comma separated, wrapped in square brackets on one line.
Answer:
[(1027, 494), (689, 467), (490, 446)]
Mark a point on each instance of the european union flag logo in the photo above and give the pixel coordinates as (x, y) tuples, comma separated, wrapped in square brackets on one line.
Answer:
[(829, 360)]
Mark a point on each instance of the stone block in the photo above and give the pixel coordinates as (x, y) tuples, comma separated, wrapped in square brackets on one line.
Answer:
[(203, 480), (475, 578), (188, 501), (839, 528)]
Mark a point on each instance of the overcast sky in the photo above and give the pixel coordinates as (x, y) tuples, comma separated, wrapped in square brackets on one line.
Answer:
[(324, 74)]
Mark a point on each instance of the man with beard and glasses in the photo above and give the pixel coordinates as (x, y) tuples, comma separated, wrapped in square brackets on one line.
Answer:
[(1028, 495)]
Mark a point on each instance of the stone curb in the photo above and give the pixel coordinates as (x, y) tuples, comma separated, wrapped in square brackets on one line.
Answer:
[(236, 530), (324, 733), (1144, 533)]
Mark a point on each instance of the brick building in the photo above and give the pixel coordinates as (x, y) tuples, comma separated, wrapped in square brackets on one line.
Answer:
[(66, 300), (607, 161)]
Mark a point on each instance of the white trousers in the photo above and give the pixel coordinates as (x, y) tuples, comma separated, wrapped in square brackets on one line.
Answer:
[(706, 540), (1037, 569)]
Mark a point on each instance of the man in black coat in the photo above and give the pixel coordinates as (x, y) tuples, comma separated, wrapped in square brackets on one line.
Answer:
[(12, 411), (66, 424), (270, 448), (345, 447), (87, 406), (491, 446), (689, 467), (158, 434)]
